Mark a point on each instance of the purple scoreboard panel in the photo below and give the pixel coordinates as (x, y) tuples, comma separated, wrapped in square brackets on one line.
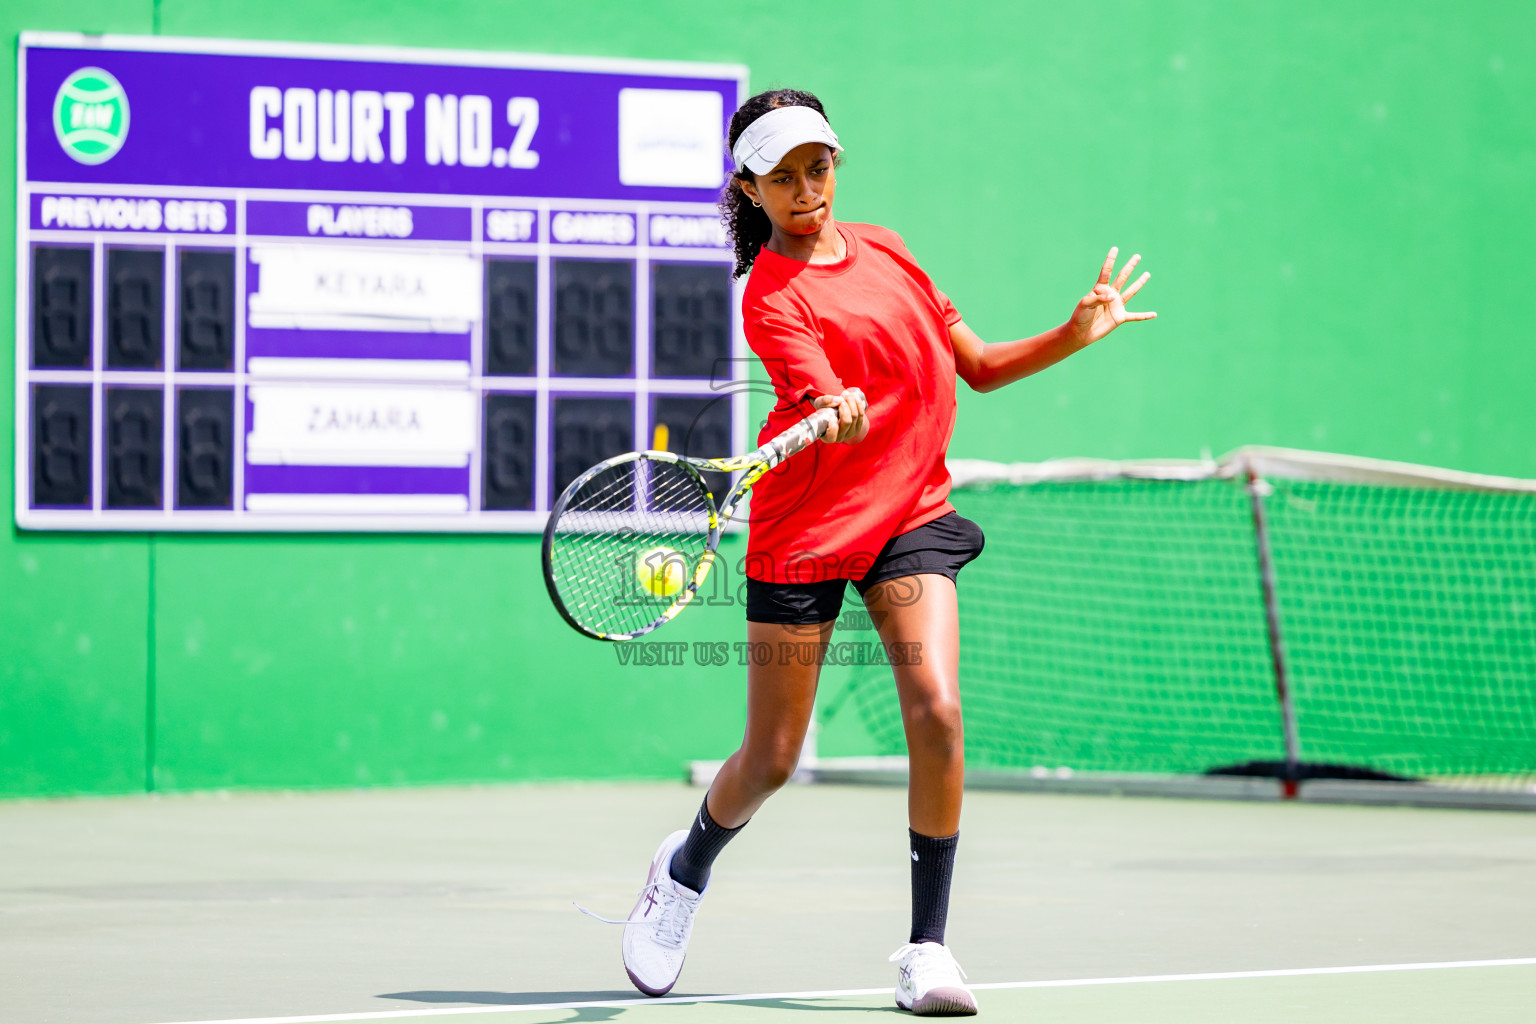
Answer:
[(296, 287)]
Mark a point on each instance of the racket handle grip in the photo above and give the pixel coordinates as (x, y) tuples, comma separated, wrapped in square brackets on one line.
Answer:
[(822, 419), (803, 434), (799, 436)]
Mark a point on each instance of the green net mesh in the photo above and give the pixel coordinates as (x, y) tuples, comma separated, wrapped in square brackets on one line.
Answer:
[(1410, 626), (1120, 626)]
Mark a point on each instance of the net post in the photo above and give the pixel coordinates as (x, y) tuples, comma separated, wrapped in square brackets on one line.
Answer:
[(1258, 490)]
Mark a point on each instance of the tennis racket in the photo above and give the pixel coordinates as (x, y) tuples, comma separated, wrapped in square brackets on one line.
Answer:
[(630, 540)]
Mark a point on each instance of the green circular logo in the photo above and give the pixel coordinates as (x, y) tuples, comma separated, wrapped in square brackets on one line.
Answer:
[(90, 116)]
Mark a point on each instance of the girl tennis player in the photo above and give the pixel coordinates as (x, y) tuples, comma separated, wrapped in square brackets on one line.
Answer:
[(832, 306)]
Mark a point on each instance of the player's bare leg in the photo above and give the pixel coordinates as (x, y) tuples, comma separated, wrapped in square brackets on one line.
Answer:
[(919, 622), (921, 614), (780, 699)]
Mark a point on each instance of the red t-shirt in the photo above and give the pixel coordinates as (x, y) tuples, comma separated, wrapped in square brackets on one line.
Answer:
[(874, 321)]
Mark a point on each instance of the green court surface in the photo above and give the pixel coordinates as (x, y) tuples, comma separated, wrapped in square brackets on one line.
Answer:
[(448, 904)]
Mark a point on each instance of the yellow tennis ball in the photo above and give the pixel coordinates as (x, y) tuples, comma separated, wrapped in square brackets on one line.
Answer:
[(660, 571)]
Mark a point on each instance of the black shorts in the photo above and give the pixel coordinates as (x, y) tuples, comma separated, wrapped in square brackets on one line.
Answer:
[(943, 547)]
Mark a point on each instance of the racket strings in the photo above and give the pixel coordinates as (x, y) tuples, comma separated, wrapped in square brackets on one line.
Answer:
[(627, 542)]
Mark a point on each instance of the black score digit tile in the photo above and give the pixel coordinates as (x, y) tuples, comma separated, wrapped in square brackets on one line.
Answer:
[(699, 427), (135, 314), (690, 318), (511, 317), (61, 445), (61, 307), (135, 447), (508, 455), (594, 318), (205, 447), (587, 431), (206, 309)]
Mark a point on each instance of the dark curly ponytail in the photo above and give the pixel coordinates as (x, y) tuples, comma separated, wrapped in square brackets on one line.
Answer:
[(748, 226)]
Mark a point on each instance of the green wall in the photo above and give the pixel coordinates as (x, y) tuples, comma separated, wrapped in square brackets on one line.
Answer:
[(1330, 198)]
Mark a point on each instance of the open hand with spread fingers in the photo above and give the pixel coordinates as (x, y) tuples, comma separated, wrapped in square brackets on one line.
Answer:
[(1103, 308)]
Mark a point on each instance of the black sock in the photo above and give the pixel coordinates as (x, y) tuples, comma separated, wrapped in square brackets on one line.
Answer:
[(933, 864), (706, 838)]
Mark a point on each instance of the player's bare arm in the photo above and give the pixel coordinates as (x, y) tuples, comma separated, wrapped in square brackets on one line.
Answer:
[(987, 367)]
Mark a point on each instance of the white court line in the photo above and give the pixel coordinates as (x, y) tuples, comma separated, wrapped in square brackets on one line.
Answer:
[(1290, 972)]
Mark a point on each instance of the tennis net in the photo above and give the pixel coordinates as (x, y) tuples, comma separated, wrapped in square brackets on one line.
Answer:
[(1280, 613)]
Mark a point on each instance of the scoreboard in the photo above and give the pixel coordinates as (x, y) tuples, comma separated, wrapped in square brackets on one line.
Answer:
[(299, 287)]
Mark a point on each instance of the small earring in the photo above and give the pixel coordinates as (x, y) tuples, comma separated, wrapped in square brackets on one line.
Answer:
[(757, 204)]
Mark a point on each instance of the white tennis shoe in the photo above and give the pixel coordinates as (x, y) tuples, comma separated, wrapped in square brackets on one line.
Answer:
[(656, 933), (929, 982)]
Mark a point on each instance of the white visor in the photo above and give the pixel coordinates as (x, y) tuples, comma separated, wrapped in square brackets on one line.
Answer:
[(766, 140)]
